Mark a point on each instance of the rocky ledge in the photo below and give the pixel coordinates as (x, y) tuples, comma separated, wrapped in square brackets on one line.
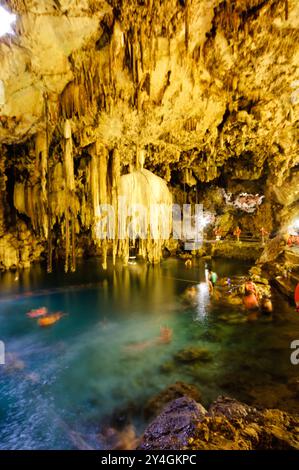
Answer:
[(228, 424)]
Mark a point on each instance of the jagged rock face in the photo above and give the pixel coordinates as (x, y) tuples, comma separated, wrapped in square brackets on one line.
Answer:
[(227, 425), (208, 90)]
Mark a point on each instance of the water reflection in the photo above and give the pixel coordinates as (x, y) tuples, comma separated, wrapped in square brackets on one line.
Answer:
[(203, 301), (85, 367)]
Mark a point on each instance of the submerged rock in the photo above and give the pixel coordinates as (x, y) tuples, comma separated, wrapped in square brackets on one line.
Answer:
[(179, 389), (168, 367), (193, 354)]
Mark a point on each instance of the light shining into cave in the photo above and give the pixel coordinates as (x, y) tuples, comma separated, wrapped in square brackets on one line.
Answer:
[(294, 227), (6, 22)]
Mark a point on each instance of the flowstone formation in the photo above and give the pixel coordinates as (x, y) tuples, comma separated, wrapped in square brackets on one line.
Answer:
[(205, 93)]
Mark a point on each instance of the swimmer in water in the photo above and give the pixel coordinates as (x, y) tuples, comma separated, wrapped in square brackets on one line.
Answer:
[(188, 263), (266, 305), (165, 335), (190, 294), (251, 304)]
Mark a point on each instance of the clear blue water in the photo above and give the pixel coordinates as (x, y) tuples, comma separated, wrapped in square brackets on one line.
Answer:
[(73, 376)]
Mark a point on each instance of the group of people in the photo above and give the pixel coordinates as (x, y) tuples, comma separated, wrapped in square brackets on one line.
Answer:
[(253, 302), (237, 233), (293, 240)]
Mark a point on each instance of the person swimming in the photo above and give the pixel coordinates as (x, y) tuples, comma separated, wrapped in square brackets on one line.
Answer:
[(188, 263), (190, 295), (50, 319), (251, 304), (165, 335), (39, 312), (266, 305), (250, 301), (250, 287)]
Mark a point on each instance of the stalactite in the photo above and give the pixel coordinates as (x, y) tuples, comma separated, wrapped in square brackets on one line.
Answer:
[(73, 236), (110, 62), (103, 165), (145, 188), (48, 192), (70, 188), (67, 240), (3, 179), (68, 157), (115, 186), (94, 180), (141, 47), (187, 24), (41, 155), (286, 10)]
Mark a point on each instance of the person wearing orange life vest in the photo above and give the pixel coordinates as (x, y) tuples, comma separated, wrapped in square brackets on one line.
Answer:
[(264, 233), (250, 287), (250, 299), (217, 232), (237, 233)]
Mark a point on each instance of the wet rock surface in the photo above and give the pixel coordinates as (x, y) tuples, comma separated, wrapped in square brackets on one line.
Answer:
[(227, 425), (172, 429), (155, 405)]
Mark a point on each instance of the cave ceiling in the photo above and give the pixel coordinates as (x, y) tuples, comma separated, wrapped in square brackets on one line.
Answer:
[(208, 85)]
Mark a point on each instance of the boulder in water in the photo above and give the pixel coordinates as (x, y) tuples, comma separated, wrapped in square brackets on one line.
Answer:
[(168, 367), (173, 428), (193, 354)]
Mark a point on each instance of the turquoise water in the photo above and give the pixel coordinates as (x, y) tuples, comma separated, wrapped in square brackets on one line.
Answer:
[(101, 362)]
